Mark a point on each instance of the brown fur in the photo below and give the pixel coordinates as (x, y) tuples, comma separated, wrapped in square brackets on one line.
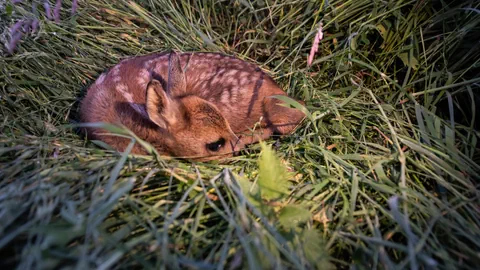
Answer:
[(181, 102)]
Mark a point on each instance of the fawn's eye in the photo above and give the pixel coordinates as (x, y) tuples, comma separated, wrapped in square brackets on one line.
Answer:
[(215, 146)]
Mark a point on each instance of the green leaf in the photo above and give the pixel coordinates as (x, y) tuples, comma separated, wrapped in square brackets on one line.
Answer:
[(353, 43), (9, 10), (295, 104), (273, 176), (410, 61), (58, 234), (291, 216), (249, 190), (315, 251), (383, 30)]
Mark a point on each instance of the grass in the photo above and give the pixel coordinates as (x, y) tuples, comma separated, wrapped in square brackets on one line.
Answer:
[(384, 174)]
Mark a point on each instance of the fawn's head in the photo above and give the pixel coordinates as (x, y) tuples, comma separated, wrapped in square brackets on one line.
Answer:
[(194, 128)]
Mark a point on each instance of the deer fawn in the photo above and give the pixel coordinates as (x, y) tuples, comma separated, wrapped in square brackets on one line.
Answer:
[(199, 106)]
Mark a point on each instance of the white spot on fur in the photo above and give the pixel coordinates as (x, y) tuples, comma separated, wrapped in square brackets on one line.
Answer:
[(128, 96), (122, 88), (203, 87), (116, 74), (234, 94), (142, 82), (143, 78), (244, 80), (225, 99), (221, 71), (215, 80), (148, 64), (229, 81)]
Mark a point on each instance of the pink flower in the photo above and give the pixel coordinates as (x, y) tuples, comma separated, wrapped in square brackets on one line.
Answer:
[(316, 41)]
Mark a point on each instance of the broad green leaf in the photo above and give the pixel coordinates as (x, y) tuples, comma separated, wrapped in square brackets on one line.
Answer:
[(409, 61), (9, 10), (295, 104), (273, 176), (383, 31), (382, 176), (382, 187), (58, 235), (291, 216), (353, 43), (314, 248), (248, 189), (364, 39)]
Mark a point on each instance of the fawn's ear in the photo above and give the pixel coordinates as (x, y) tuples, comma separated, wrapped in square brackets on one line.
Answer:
[(281, 119), (176, 84), (161, 108)]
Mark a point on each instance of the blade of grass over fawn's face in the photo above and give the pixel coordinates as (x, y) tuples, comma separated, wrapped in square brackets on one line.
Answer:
[(391, 99), (295, 104)]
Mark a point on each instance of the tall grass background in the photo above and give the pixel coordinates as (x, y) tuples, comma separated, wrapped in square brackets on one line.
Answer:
[(382, 174)]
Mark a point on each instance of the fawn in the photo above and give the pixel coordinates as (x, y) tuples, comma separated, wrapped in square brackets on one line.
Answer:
[(199, 106)]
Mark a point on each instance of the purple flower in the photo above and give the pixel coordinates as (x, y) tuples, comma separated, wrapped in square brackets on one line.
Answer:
[(34, 7), (48, 11), (13, 42), (16, 27), (74, 6), (35, 25), (26, 26), (56, 11), (16, 1)]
